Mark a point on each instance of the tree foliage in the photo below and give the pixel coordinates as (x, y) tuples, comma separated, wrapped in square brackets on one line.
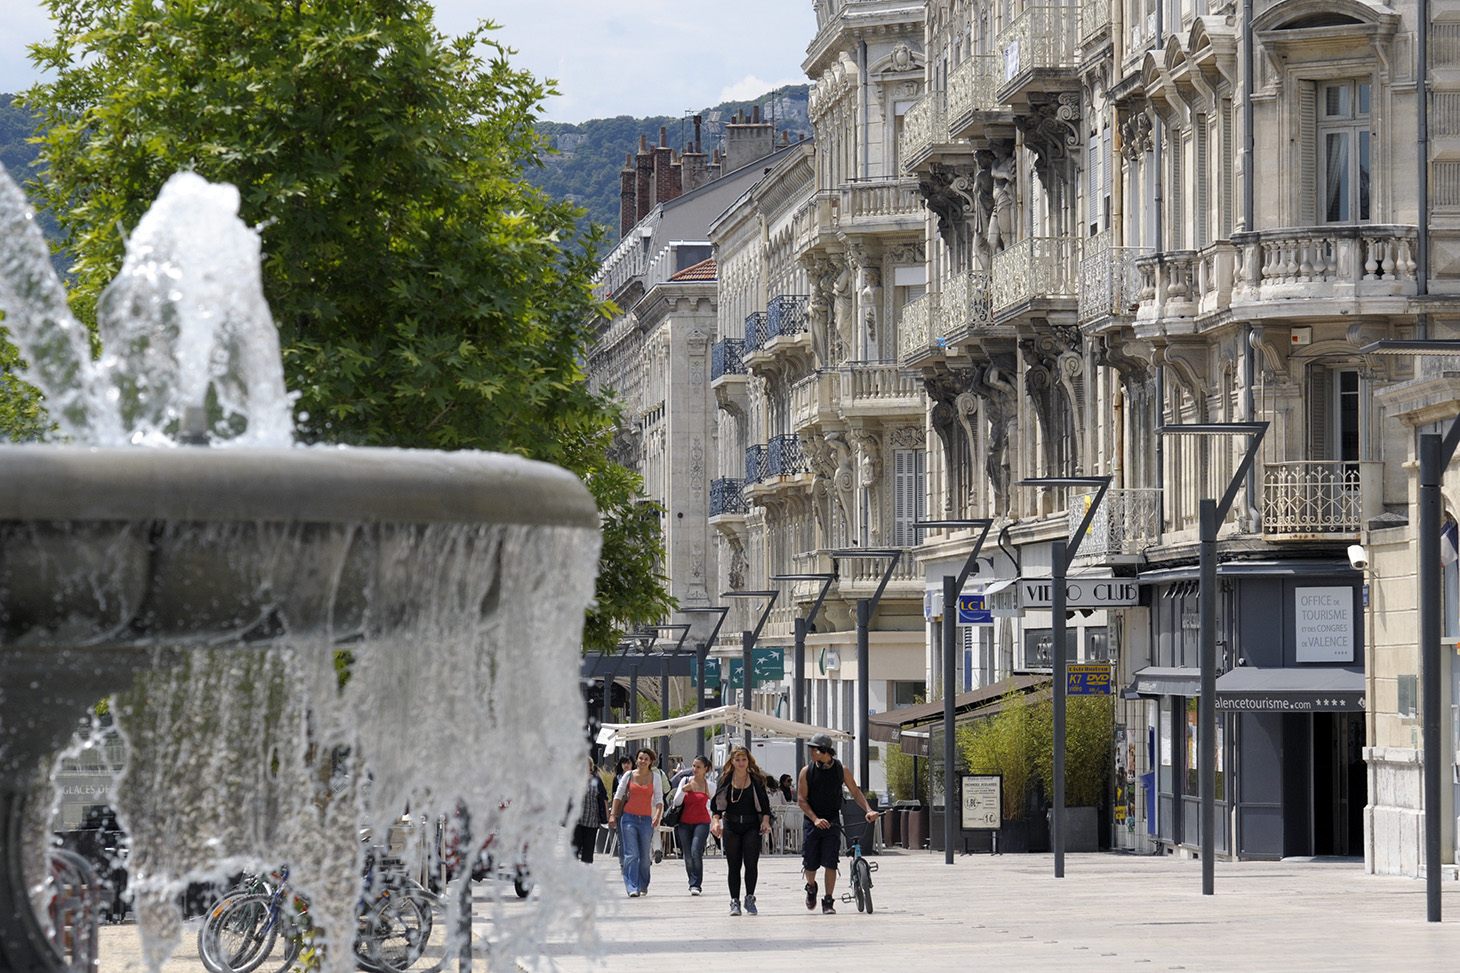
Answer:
[(426, 294)]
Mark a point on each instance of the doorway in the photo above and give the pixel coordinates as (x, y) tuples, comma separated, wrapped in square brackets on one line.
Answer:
[(1340, 784)]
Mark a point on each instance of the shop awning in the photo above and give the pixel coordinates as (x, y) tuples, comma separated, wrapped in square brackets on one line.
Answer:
[(1292, 689), (910, 725), (1167, 681), (611, 735)]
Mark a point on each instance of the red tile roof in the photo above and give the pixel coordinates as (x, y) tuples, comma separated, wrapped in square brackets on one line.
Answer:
[(704, 270)]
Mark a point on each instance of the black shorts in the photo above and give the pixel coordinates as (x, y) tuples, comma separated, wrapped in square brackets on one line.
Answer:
[(820, 847)]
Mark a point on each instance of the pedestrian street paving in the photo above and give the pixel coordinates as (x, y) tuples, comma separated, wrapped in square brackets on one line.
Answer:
[(990, 913)]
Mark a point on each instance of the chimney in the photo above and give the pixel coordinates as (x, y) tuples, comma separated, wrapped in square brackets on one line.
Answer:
[(692, 171), (626, 194), (697, 135), (644, 181), (666, 178), (746, 142)]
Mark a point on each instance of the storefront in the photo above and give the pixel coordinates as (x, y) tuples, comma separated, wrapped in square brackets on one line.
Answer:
[(1290, 702)]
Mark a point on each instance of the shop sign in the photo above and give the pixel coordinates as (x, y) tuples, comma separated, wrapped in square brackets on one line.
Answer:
[(1087, 679), (1080, 592), (973, 611), (1324, 624)]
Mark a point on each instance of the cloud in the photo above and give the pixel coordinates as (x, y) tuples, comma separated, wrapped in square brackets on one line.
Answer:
[(750, 87)]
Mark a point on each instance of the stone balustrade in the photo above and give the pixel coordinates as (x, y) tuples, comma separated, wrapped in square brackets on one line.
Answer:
[(1339, 261), (890, 199), (877, 384)]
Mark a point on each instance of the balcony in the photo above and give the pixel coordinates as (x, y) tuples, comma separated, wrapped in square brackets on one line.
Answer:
[(1181, 284), (884, 205), (784, 456), (785, 316), (973, 99), (1038, 48), (879, 389), (755, 463), (1318, 499), (924, 127), (755, 333), (815, 400), (965, 309), (1366, 268), (1094, 21), (1126, 523), (916, 342), (726, 498), (1110, 282), (1036, 271), (725, 358)]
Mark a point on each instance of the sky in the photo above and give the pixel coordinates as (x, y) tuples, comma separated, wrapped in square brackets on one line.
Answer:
[(609, 57)]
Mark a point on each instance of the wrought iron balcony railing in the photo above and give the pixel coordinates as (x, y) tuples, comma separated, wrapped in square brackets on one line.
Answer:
[(726, 497), (1037, 267), (786, 315), (784, 456), (915, 339), (1094, 17), (1315, 497), (1040, 39), (755, 332), (755, 463), (965, 305), (725, 358), (924, 126), (973, 89), (1126, 522), (1110, 282)]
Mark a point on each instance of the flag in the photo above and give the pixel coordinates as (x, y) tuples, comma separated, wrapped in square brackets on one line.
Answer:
[(1449, 543)]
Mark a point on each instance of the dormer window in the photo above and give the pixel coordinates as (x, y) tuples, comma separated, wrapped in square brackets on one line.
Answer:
[(1343, 151)]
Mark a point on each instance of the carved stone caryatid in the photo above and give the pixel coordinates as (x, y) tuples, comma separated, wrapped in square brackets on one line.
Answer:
[(1051, 129), (822, 461), (1004, 175), (843, 334), (960, 196), (869, 477), (995, 385), (1135, 134), (822, 273), (871, 299), (844, 479)]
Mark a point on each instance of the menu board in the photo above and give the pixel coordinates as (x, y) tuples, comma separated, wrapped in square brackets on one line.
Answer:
[(982, 802)]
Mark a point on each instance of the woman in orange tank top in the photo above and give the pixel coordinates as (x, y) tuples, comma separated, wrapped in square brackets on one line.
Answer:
[(638, 803)]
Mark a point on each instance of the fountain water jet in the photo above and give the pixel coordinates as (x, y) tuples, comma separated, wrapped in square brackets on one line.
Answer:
[(210, 587)]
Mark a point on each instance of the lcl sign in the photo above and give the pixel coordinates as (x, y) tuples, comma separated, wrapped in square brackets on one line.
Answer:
[(1080, 592)]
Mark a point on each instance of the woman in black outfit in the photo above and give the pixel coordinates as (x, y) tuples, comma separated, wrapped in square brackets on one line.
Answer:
[(741, 813)]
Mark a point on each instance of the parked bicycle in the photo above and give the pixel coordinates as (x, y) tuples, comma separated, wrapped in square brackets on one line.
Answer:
[(861, 870)]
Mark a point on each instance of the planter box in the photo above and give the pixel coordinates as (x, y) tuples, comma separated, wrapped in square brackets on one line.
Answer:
[(1082, 828)]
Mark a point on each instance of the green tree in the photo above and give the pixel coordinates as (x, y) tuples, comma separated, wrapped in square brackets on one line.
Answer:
[(426, 294)]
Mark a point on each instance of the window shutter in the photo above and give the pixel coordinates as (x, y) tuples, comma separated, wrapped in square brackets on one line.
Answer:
[(1228, 171), (1106, 174), (1203, 175), (901, 497), (1307, 153), (1318, 412), (920, 484), (1178, 183)]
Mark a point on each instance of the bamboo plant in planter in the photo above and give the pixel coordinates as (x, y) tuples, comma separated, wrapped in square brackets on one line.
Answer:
[(1005, 744), (1089, 724)]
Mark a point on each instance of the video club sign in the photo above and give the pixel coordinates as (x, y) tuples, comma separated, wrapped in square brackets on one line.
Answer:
[(1080, 592)]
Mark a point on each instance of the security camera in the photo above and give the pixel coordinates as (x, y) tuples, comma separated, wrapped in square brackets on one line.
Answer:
[(1358, 558)]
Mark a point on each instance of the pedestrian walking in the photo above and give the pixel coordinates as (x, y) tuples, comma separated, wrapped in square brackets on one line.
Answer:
[(819, 792), (637, 806), (694, 794), (741, 813), (594, 813)]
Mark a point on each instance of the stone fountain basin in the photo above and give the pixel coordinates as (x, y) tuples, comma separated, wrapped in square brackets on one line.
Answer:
[(109, 548)]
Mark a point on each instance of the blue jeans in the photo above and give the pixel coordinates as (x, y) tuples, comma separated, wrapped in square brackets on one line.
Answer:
[(636, 832), (692, 838)]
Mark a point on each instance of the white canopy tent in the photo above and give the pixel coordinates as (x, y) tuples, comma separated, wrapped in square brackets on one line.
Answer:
[(611, 735)]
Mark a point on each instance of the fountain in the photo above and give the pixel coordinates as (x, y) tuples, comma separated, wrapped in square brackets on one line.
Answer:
[(208, 590)]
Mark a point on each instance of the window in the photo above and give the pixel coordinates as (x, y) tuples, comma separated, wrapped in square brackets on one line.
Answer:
[(1038, 643), (1333, 419), (1097, 645), (1343, 151), (908, 693), (908, 494)]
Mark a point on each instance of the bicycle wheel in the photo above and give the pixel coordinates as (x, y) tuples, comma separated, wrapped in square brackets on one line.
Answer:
[(862, 882), (395, 932), (247, 933)]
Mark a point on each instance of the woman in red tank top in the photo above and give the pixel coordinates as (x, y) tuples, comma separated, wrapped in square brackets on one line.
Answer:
[(693, 829)]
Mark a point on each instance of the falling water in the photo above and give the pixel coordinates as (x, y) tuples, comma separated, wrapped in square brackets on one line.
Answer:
[(245, 752)]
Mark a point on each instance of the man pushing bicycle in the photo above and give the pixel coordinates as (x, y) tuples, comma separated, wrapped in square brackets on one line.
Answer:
[(819, 793)]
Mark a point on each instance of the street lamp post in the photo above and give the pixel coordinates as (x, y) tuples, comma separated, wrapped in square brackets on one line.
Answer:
[(1210, 515), (951, 587), (1060, 557), (702, 652), (865, 608), (1435, 454), (798, 706), (747, 646)]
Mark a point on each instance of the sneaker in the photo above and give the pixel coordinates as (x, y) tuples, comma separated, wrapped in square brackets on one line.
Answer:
[(634, 894), (643, 891), (735, 907), (694, 890), (828, 908), (810, 895), (750, 905)]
